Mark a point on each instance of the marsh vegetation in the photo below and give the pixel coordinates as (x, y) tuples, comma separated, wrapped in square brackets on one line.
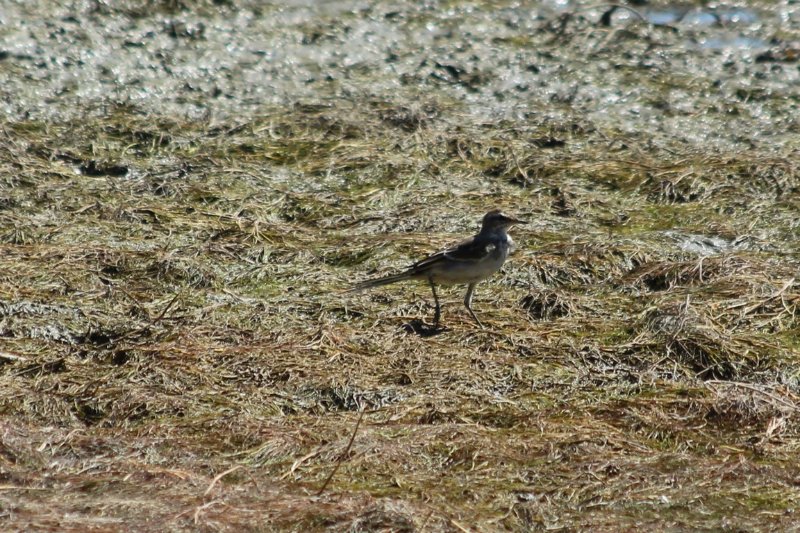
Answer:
[(186, 188)]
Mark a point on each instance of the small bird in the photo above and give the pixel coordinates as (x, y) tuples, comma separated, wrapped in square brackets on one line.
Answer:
[(470, 261)]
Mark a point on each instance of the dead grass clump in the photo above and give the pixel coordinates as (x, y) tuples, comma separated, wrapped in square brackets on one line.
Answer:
[(40, 369), (18, 234), (180, 270), (305, 208), (408, 118), (768, 410), (492, 157), (753, 415), (331, 143), (764, 306), (570, 264), (687, 335), (385, 516), (703, 176), (563, 204), (525, 156), (759, 175), (172, 184), (741, 293), (336, 398), (672, 192), (346, 256), (547, 305), (665, 275), (608, 366)]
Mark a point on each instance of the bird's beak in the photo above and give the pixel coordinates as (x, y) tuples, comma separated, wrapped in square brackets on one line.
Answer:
[(517, 220)]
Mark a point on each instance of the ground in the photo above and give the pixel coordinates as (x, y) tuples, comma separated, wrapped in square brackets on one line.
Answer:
[(189, 189)]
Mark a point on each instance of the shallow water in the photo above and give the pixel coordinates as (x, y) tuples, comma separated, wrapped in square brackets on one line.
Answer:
[(701, 17)]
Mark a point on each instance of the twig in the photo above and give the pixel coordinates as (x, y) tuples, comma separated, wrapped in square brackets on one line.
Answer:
[(12, 357), (298, 462), (459, 526), (516, 163), (773, 297), (202, 508), (143, 328), (220, 476), (164, 312), (341, 456)]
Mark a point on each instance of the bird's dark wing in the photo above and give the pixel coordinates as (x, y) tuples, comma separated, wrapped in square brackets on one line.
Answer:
[(470, 250)]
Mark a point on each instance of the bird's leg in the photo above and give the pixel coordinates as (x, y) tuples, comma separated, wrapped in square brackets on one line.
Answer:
[(468, 302), (437, 313)]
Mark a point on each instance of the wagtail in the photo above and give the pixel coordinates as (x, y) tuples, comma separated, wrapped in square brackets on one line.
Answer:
[(470, 261)]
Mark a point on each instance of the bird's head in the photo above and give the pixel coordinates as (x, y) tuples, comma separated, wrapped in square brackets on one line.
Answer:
[(496, 219)]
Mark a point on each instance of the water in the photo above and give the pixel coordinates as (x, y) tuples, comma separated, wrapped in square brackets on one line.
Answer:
[(697, 17)]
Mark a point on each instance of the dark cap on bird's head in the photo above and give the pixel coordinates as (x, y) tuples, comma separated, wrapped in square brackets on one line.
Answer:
[(497, 219)]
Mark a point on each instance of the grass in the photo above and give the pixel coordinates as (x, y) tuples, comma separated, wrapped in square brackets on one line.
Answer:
[(179, 353), (186, 319)]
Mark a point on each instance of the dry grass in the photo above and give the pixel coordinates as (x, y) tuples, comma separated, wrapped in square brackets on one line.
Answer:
[(178, 353), (178, 350)]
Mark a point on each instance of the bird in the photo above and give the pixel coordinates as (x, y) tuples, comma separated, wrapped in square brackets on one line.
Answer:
[(469, 262)]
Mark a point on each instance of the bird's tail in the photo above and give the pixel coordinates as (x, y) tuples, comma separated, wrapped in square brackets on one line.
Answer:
[(371, 283)]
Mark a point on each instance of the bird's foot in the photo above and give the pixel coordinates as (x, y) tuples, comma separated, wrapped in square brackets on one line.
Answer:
[(422, 328)]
